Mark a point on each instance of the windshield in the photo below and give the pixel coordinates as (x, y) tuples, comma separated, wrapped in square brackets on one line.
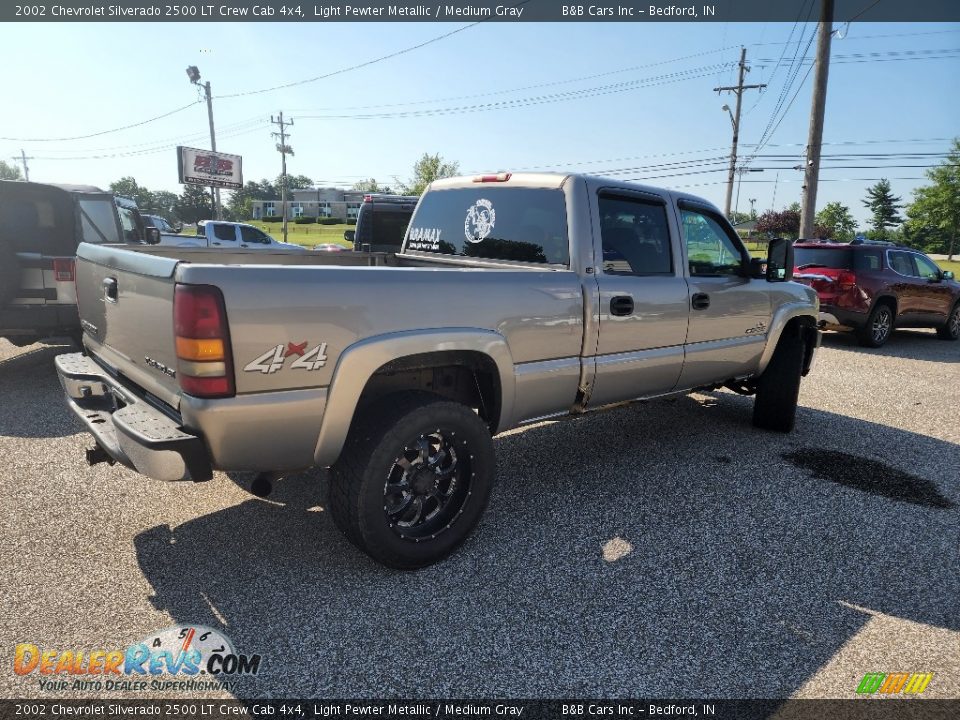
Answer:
[(98, 221), (499, 223)]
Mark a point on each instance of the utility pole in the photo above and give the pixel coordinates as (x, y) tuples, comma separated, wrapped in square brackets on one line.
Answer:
[(194, 74), (23, 159), (811, 173), (738, 89), (284, 149)]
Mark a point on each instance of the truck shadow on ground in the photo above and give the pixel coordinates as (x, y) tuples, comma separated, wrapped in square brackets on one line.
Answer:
[(33, 368), (908, 344), (666, 549)]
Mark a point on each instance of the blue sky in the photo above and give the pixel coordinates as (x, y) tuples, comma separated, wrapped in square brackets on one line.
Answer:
[(587, 110)]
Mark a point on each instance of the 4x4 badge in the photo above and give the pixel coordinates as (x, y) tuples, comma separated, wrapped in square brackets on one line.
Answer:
[(272, 360)]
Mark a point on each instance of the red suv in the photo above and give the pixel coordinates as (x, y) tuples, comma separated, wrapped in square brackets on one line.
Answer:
[(872, 288)]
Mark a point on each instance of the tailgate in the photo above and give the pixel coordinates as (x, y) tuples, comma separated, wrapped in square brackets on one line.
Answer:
[(822, 279), (125, 300)]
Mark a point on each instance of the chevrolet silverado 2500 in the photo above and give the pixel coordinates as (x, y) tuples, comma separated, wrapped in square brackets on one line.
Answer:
[(515, 298)]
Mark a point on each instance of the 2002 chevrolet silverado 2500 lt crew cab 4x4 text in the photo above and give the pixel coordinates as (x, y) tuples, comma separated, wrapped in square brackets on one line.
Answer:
[(515, 298)]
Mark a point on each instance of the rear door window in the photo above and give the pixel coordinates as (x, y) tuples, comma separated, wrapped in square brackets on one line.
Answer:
[(635, 237), (224, 233), (902, 263), (497, 223)]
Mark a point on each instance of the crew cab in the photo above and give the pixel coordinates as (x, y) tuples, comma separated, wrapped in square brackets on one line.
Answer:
[(226, 236), (872, 288), (515, 298)]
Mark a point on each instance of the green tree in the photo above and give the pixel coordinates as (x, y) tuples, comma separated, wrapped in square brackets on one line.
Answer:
[(933, 218), (835, 222), (739, 217), (372, 186), (194, 204), (427, 169), (9, 172), (785, 223), (883, 207)]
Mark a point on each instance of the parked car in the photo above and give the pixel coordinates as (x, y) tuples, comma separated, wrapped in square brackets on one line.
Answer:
[(161, 224), (396, 369), (872, 288), (382, 222), (226, 236), (40, 228)]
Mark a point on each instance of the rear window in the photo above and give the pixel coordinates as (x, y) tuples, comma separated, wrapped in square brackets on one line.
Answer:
[(496, 223), (381, 224), (838, 259)]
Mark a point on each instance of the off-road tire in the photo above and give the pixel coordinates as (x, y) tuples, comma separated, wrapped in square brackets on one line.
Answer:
[(879, 327), (775, 406), (379, 436), (950, 330), (9, 273)]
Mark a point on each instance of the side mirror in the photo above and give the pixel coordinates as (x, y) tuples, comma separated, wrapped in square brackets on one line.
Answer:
[(152, 236), (758, 268), (349, 235), (947, 275), (780, 260)]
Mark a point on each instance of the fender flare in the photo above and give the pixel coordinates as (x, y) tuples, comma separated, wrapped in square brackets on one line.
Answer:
[(360, 361), (783, 315)]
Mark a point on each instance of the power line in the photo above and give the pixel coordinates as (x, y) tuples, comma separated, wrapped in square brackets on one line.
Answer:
[(525, 87), (669, 78), (103, 132)]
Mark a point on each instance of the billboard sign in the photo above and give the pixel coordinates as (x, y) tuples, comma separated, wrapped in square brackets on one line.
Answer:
[(213, 169)]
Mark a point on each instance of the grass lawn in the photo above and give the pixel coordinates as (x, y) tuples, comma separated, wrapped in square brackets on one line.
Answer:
[(306, 235)]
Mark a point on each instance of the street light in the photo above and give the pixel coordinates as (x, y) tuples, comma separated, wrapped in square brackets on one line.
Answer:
[(732, 121), (194, 74)]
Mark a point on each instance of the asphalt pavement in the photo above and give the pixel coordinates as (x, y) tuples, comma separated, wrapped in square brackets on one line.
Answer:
[(667, 549)]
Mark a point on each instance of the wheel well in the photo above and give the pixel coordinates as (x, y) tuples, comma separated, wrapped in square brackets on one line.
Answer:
[(886, 300), (804, 327), (467, 377)]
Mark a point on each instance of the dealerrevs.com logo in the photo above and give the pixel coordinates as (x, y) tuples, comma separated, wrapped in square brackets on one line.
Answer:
[(893, 683), (185, 653)]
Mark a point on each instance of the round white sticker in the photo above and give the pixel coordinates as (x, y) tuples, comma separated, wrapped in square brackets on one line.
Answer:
[(481, 217)]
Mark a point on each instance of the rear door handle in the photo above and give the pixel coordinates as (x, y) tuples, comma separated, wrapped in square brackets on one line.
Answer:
[(621, 305), (110, 289), (700, 301)]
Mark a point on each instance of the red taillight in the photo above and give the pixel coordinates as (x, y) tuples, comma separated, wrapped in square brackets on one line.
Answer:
[(499, 177), (204, 362), (846, 280), (368, 198), (64, 270)]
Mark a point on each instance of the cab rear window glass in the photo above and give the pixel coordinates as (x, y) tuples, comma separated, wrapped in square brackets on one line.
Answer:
[(496, 223), (35, 224)]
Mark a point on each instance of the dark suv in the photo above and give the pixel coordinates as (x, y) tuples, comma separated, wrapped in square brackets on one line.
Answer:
[(873, 288)]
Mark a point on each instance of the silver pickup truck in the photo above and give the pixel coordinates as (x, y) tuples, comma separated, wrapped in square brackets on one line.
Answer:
[(515, 298)]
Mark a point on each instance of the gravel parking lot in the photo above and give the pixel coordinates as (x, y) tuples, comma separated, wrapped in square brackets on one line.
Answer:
[(666, 549)]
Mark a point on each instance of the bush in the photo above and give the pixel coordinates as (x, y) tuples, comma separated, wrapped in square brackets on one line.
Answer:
[(305, 220), (350, 221), (328, 221), (271, 218)]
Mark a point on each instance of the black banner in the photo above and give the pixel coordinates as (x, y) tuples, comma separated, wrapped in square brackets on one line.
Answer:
[(573, 709), (459, 11)]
